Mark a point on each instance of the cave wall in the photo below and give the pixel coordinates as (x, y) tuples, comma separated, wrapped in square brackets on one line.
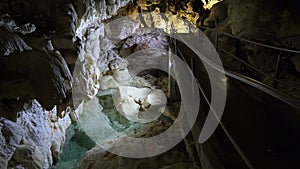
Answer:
[(275, 23), (52, 33), (41, 41), (34, 140), (40, 44)]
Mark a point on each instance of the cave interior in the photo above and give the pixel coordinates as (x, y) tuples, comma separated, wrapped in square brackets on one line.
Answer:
[(152, 84)]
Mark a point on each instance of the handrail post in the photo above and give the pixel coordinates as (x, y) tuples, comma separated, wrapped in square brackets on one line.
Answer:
[(169, 66), (171, 82), (277, 71), (217, 41)]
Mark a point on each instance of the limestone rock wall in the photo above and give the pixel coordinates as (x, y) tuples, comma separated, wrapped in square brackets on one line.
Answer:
[(39, 45), (32, 140), (192, 10), (40, 42), (271, 22), (274, 23), (33, 66)]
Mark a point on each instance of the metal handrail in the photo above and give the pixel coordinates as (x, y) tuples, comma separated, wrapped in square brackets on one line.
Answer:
[(242, 61), (256, 69), (261, 86), (255, 83), (277, 72), (266, 88), (234, 143), (279, 57), (261, 44), (253, 42), (230, 137)]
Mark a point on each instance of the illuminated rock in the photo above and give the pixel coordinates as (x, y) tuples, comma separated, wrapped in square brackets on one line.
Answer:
[(139, 104), (99, 158), (145, 38), (121, 77), (34, 140), (122, 29), (11, 42)]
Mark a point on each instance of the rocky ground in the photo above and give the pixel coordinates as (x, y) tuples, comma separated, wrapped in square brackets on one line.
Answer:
[(43, 42), (35, 140), (132, 96)]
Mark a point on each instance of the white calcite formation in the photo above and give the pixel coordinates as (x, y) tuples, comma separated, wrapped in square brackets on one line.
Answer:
[(121, 30), (121, 77), (145, 38), (100, 122), (58, 132), (104, 68), (34, 141), (134, 98), (104, 49), (139, 104), (94, 55), (10, 41)]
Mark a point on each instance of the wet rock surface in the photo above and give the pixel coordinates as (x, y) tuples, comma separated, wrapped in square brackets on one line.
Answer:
[(39, 48), (177, 157), (33, 140), (41, 41)]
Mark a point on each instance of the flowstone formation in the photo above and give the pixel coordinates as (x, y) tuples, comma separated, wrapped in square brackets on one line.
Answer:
[(116, 102), (107, 66), (34, 140), (38, 50), (191, 10), (139, 104), (40, 44), (130, 104), (98, 123), (134, 98)]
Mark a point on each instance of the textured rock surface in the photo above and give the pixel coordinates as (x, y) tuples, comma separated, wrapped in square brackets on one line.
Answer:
[(33, 140), (45, 76), (40, 41), (270, 22), (175, 158), (139, 104), (256, 20), (37, 72), (91, 33), (52, 26), (96, 116), (38, 47), (192, 10), (97, 158)]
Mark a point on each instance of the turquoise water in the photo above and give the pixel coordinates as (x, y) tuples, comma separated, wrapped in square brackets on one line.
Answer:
[(99, 122), (77, 143)]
